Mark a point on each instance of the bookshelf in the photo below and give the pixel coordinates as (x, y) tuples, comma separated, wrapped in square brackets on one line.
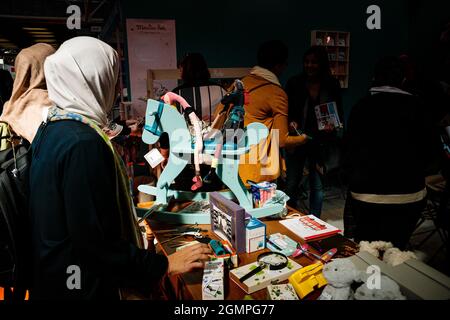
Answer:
[(338, 47)]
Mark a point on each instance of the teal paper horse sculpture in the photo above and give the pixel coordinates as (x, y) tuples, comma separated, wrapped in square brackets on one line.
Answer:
[(161, 118)]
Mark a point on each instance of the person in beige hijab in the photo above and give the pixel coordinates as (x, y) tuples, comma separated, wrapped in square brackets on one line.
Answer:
[(80, 205), (23, 112)]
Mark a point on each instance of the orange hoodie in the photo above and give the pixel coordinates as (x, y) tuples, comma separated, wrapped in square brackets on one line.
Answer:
[(268, 104)]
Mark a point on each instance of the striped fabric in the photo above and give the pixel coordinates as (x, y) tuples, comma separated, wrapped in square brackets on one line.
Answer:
[(203, 99)]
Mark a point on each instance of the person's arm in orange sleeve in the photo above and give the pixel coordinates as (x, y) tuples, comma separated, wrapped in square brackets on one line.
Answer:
[(280, 122)]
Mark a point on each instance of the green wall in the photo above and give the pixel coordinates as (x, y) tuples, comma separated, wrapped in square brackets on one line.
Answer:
[(427, 19), (228, 33)]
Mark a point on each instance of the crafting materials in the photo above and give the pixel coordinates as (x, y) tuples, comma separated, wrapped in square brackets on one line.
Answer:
[(225, 251), (191, 243), (195, 234), (268, 241), (310, 227), (271, 260), (217, 248), (328, 255), (255, 234), (263, 278), (212, 282), (305, 279), (281, 243), (281, 292), (262, 192), (228, 221)]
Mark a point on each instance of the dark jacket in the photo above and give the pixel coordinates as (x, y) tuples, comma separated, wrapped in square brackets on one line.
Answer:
[(75, 219), (387, 145), (325, 147), (300, 110)]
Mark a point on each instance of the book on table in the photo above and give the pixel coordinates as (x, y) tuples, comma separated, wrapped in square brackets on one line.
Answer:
[(310, 227)]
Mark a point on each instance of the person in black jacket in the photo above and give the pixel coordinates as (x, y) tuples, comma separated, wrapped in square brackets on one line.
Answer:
[(387, 137), (86, 243), (305, 91)]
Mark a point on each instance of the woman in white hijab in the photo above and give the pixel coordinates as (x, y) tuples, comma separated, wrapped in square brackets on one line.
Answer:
[(80, 205), (83, 83)]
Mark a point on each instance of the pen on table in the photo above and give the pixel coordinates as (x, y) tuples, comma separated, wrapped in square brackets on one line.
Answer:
[(273, 244)]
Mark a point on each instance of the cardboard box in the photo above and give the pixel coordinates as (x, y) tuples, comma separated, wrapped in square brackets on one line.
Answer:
[(212, 282), (281, 292), (264, 278), (417, 280), (228, 221), (255, 235)]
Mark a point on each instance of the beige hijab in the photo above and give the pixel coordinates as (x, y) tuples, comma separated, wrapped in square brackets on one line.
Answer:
[(23, 111), (81, 78)]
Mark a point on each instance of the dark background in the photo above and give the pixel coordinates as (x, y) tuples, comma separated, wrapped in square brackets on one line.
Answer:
[(228, 33)]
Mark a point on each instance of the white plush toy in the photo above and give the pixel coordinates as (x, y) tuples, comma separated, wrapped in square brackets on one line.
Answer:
[(387, 290), (392, 256), (340, 274), (395, 257), (375, 247)]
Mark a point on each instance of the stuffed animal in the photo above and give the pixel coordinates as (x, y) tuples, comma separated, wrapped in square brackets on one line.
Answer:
[(388, 290), (395, 257), (392, 256), (340, 275), (375, 247)]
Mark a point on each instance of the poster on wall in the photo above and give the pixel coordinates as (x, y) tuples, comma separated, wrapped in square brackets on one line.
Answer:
[(151, 45)]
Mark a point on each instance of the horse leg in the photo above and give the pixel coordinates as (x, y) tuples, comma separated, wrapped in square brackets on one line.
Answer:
[(173, 168), (228, 171)]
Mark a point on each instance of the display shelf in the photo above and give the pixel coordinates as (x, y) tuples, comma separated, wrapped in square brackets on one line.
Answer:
[(337, 44)]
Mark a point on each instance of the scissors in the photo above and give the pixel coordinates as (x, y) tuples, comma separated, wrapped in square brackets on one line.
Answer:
[(196, 234)]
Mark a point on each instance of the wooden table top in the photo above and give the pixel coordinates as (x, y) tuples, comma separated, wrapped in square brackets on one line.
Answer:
[(192, 282)]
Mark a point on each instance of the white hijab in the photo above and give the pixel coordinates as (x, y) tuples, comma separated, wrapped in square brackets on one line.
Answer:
[(81, 77)]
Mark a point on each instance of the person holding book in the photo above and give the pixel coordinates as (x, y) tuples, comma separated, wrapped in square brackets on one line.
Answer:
[(315, 107), (388, 139)]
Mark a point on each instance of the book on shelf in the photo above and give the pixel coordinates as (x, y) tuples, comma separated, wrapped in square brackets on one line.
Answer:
[(310, 227), (327, 116)]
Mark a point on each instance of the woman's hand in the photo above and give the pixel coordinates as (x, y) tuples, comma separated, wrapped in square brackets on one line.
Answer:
[(188, 259), (329, 128), (294, 125)]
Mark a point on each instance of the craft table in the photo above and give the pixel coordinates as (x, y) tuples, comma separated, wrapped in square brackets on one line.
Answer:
[(188, 286)]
